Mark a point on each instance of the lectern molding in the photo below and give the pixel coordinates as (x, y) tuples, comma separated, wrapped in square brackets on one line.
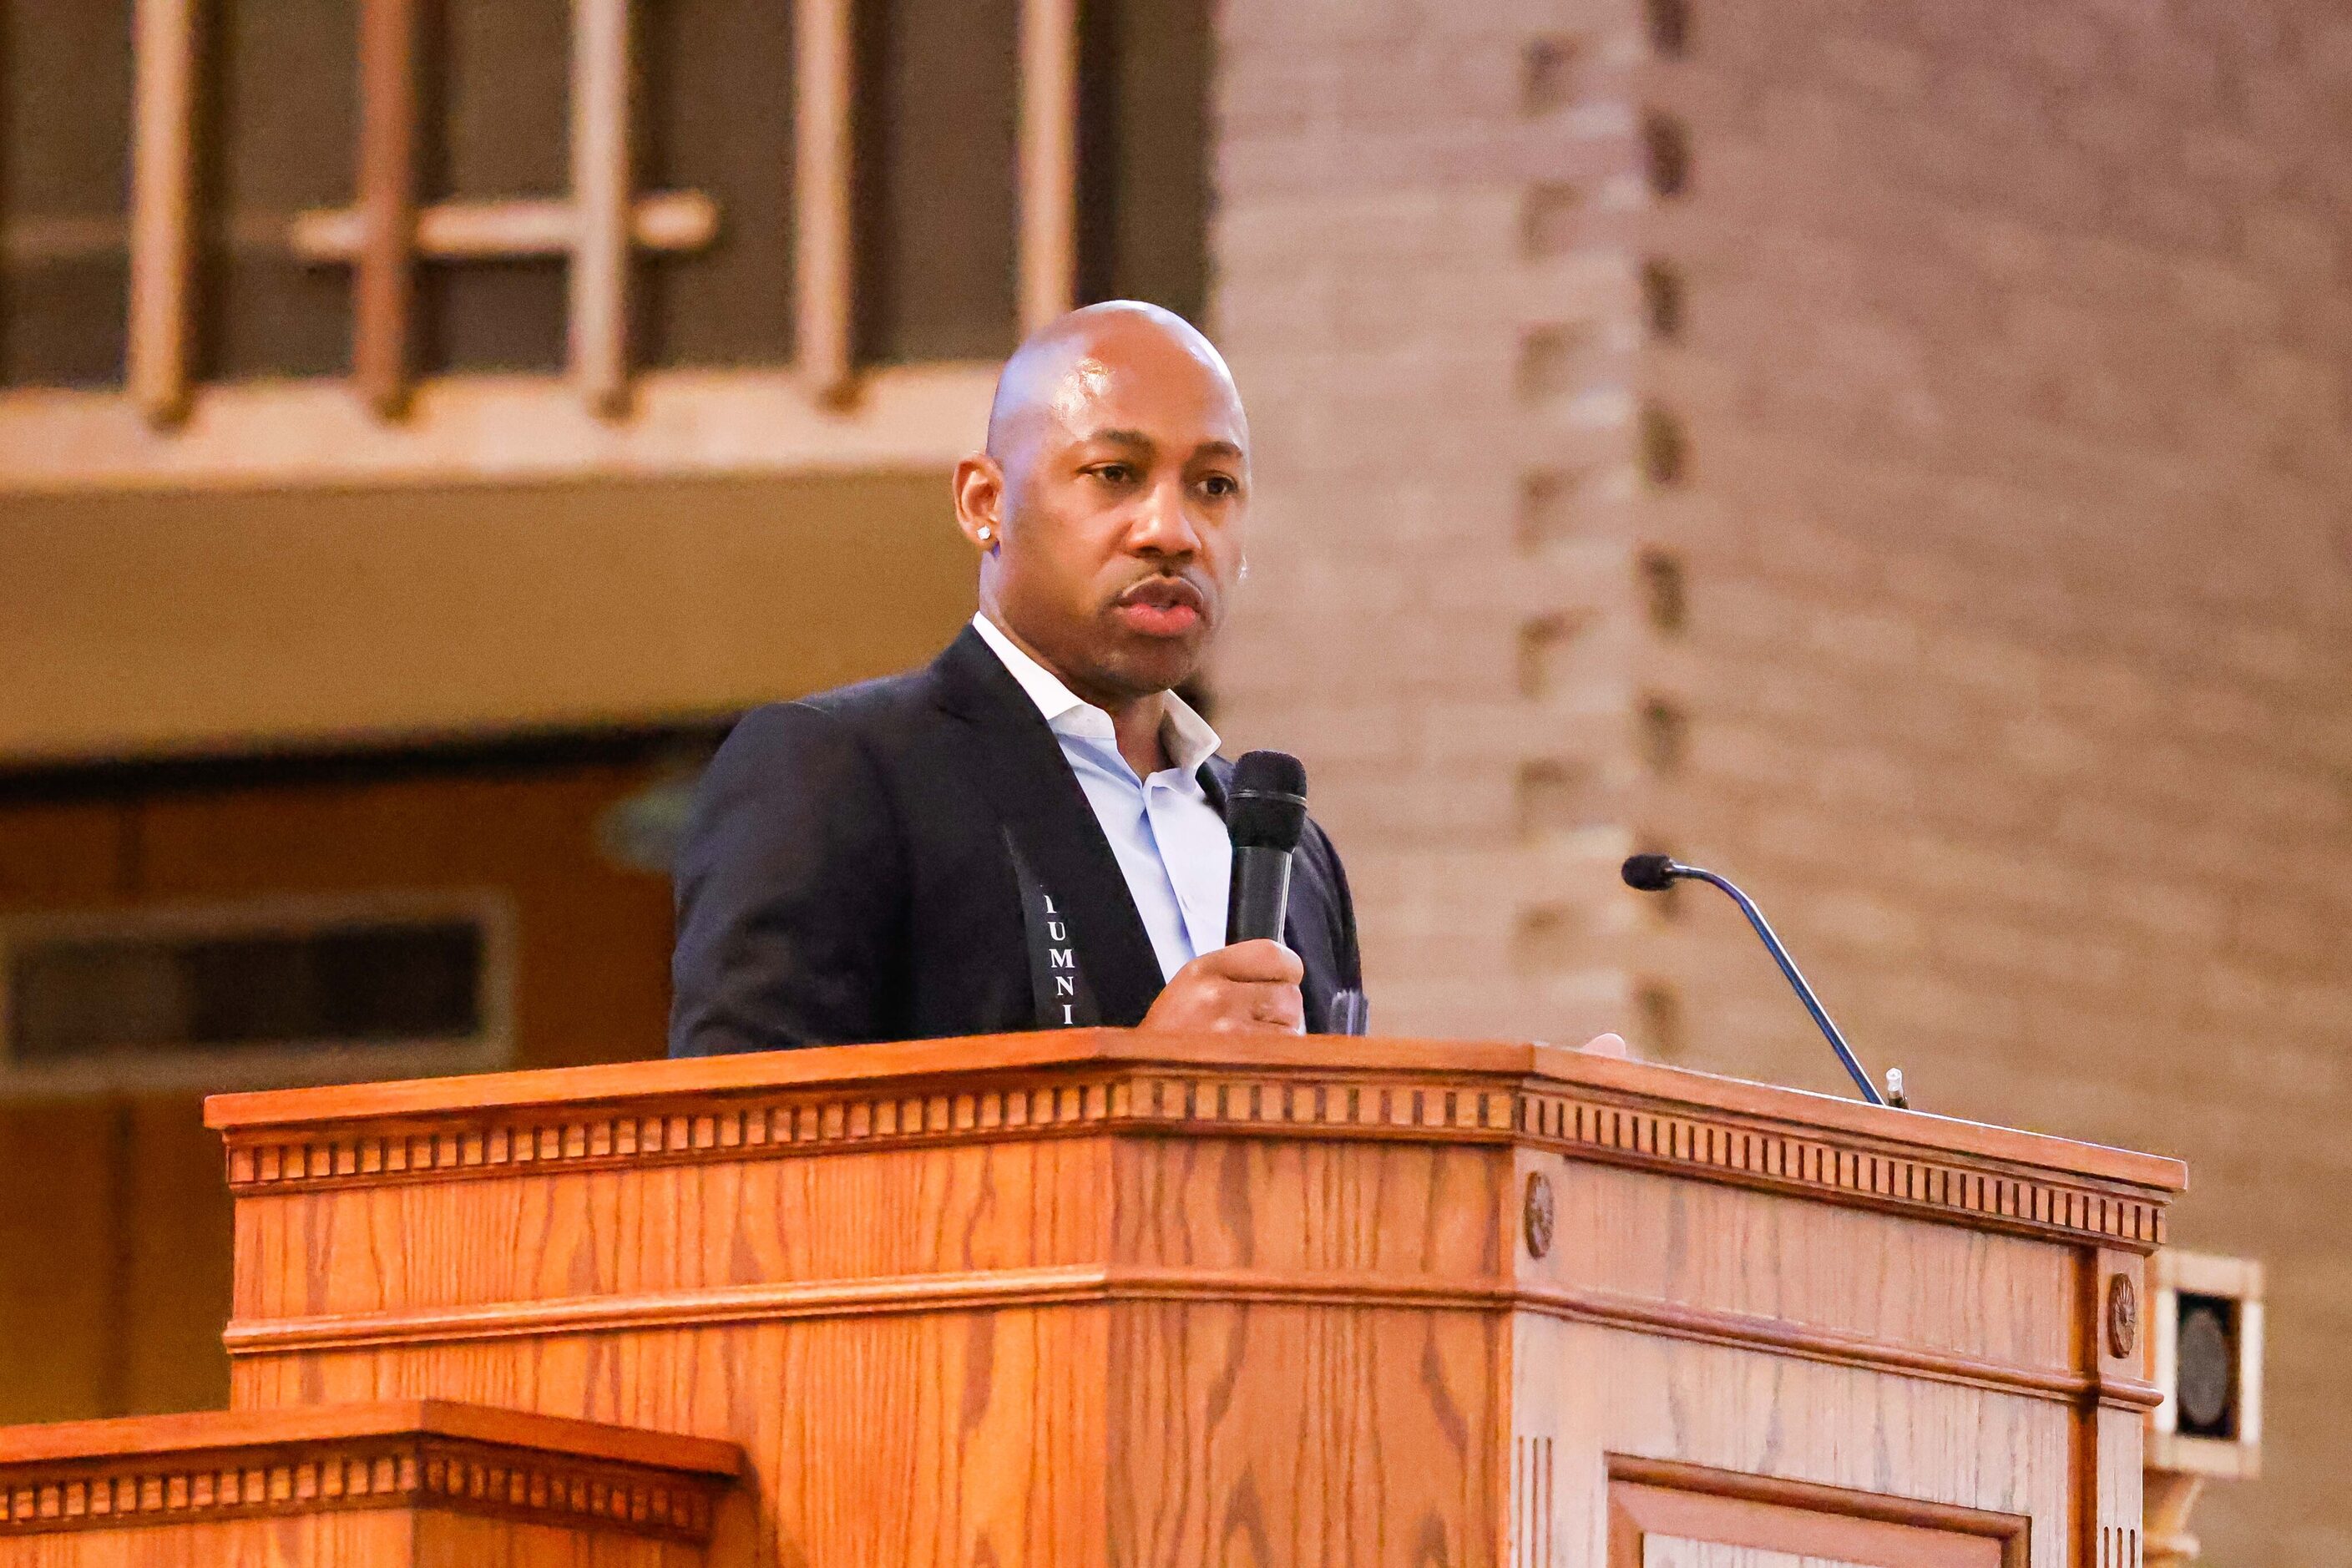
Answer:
[(1062, 1287), (1608, 1111)]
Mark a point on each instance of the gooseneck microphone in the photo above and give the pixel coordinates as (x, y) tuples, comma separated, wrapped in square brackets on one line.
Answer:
[(1265, 811), (1656, 873)]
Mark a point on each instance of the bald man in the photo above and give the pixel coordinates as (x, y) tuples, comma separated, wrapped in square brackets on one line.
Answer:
[(1029, 831)]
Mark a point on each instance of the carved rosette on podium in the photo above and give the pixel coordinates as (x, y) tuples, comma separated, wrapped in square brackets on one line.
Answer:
[(1108, 1298)]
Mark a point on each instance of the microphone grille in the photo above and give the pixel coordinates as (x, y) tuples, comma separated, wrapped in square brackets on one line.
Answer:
[(1649, 873), (1265, 807)]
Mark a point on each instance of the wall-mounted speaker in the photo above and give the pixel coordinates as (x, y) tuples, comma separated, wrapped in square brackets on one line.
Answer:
[(2207, 1353)]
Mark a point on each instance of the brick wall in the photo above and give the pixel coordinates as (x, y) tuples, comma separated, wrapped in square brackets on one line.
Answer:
[(1895, 453), (1440, 374)]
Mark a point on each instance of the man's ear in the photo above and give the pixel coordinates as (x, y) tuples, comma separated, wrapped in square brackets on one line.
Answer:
[(979, 501)]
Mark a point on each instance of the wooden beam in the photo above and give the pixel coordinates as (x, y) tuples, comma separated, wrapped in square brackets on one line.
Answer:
[(384, 284), (669, 221), (1049, 159), (823, 168), (162, 206), (600, 180), (469, 429)]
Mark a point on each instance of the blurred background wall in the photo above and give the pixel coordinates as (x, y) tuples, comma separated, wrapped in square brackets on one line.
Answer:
[(1894, 453)]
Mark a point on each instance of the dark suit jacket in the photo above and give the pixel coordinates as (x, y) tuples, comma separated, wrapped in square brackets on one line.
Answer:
[(913, 858)]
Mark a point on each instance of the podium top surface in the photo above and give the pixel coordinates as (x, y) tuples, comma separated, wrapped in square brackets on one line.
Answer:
[(935, 1067)]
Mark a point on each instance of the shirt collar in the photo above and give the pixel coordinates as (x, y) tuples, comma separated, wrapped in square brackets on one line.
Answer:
[(1189, 739)]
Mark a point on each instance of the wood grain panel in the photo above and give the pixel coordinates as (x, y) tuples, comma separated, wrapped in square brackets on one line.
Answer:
[(299, 1542), (960, 1438), (1253, 1434), (1842, 1271), (1409, 1212), (674, 1229), (461, 1541), (1148, 1434)]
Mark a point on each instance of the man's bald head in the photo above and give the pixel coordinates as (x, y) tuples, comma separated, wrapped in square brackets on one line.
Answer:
[(1070, 361), (1109, 505)]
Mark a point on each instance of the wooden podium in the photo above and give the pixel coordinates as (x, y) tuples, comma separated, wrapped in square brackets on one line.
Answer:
[(1111, 1298)]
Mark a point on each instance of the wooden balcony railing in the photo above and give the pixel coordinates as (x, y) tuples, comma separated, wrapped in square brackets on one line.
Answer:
[(164, 427)]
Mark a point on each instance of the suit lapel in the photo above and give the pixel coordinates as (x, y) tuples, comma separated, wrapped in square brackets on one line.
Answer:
[(1019, 766)]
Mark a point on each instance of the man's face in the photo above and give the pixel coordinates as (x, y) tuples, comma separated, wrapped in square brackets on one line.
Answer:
[(1124, 492)]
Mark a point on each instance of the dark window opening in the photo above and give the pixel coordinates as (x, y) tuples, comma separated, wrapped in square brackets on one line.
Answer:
[(1143, 152), (715, 114), (271, 144), (495, 114), (355, 982), (65, 185)]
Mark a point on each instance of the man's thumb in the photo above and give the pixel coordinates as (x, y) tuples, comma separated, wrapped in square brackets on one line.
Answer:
[(1262, 959)]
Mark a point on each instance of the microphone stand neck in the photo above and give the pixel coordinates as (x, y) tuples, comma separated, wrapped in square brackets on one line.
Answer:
[(1788, 966)]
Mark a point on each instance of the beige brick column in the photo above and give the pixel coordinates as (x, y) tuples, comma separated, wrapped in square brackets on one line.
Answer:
[(1426, 288)]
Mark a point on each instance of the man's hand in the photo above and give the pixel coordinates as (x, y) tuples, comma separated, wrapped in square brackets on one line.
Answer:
[(1251, 986)]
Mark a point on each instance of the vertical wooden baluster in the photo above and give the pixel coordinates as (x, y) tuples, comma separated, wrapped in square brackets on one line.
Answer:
[(383, 283), (162, 206), (1049, 159), (601, 184), (824, 151)]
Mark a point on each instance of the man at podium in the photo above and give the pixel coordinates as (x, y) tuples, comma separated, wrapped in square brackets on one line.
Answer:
[(1028, 833)]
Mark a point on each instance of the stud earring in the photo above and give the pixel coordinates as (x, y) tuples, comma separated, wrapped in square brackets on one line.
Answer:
[(985, 533)]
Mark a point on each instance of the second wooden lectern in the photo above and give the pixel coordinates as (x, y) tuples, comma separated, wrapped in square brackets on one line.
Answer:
[(1106, 1298)]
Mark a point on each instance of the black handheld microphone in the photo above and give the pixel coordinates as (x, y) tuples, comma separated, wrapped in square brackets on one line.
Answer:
[(1656, 873), (1265, 811)]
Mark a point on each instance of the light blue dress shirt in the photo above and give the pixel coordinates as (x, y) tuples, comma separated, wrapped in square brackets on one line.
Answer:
[(1171, 845)]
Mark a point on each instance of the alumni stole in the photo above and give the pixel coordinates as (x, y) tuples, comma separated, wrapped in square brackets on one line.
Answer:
[(1056, 982)]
